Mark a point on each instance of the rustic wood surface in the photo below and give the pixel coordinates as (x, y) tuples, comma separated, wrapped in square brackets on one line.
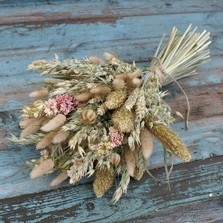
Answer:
[(31, 30)]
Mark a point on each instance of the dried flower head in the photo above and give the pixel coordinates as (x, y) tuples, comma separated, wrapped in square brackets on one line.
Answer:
[(96, 60), (169, 138), (130, 161), (54, 123), (115, 159), (44, 167), (89, 116), (34, 110), (60, 136), (116, 99), (50, 107), (59, 179), (84, 96), (104, 179), (116, 137), (146, 143), (123, 120), (39, 94), (66, 103)]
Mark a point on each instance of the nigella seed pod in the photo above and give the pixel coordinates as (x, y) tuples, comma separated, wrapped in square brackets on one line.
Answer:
[(115, 159), (89, 116)]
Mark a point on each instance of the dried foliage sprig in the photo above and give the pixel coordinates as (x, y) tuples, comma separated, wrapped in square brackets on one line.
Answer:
[(101, 116)]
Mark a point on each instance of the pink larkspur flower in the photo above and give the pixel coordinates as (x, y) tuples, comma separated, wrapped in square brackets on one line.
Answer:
[(116, 137), (66, 103)]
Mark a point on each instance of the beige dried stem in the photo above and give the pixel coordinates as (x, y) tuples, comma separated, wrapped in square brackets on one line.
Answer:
[(182, 54), (180, 58)]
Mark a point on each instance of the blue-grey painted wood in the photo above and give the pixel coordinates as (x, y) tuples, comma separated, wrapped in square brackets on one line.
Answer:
[(191, 182), (24, 44), (33, 30), (209, 211), (204, 140)]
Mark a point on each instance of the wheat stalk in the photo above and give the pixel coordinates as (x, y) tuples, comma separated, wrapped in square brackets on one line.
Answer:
[(182, 54)]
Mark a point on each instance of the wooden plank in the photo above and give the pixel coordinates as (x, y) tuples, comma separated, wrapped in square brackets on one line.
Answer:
[(204, 138), (209, 211), (189, 182), (14, 90), (70, 11)]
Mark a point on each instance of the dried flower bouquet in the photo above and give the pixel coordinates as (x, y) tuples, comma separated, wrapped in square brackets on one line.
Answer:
[(100, 116)]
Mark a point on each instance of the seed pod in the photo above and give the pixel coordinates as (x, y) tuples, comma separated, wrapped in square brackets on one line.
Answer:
[(116, 99), (45, 141), (39, 94), (83, 97), (54, 123), (130, 161), (89, 116), (59, 179), (101, 90), (61, 136), (134, 83), (121, 76), (169, 139), (118, 84), (26, 121), (108, 56), (115, 159), (104, 179), (96, 60), (123, 120), (43, 168), (138, 173), (32, 128), (129, 76), (146, 143)]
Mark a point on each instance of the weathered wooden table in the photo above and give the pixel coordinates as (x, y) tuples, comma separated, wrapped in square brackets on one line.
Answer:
[(31, 30)]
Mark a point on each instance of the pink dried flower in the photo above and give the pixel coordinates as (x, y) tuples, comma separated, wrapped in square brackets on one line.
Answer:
[(50, 107), (116, 137), (66, 103), (61, 104)]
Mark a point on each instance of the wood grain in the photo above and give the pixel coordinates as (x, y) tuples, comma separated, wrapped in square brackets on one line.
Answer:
[(209, 211), (189, 182), (89, 12), (204, 140), (32, 30)]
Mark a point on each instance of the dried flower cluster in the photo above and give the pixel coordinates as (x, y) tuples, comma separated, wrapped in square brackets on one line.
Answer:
[(100, 116)]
